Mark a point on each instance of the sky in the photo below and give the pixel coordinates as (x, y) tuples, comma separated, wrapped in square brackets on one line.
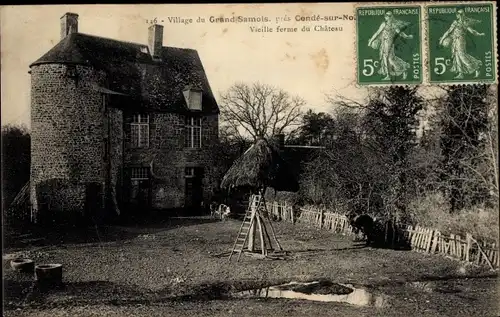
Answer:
[(306, 64)]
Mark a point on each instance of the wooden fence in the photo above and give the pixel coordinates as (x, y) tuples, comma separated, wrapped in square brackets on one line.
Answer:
[(281, 211), (421, 239), (324, 220), (465, 249)]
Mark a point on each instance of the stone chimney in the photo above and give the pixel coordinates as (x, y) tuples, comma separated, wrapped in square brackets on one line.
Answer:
[(69, 24), (155, 40)]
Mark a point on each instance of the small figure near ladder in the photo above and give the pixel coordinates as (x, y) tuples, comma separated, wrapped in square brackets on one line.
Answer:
[(255, 217)]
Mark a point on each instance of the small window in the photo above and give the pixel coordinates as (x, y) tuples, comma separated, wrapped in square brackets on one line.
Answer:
[(195, 100), (193, 132), (139, 173), (141, 118), (71, 71), (193, 97), (190, 172), (139, 129)]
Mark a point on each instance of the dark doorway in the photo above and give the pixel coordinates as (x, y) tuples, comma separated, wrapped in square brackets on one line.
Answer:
[(140, 189), (93, 212), (194, 189)]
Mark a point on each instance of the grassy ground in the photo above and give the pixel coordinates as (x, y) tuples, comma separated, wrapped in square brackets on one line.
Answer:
[(180, 268)]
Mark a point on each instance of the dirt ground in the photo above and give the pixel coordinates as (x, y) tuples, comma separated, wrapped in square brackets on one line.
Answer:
[(180, 267)]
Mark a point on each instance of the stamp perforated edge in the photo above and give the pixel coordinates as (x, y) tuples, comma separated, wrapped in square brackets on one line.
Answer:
[(387, 4), (494, 44), (424, 41)]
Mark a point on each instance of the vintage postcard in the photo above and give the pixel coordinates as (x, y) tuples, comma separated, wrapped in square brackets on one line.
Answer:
[(277, 159)]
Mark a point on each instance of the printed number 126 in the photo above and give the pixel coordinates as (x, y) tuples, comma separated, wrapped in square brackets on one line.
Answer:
[(369, 67)]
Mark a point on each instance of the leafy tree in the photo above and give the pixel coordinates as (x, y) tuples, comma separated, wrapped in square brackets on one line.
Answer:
[(466, 134), (315, 129), (16, 159), (392, 118)]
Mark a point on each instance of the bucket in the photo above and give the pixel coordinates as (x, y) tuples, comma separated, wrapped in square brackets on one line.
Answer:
[(23, 265), (48, 276)]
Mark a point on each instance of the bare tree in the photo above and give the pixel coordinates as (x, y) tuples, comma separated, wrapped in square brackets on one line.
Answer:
[(259, 110), (469, 145)]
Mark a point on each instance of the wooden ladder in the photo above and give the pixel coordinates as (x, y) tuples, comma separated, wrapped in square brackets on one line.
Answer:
[(246, 225)]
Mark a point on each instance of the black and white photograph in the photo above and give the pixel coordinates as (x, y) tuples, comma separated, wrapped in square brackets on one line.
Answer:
[(241, 160)]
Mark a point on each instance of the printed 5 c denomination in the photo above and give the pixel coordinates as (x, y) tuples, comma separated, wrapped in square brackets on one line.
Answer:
[(461, 43), (388, 40)]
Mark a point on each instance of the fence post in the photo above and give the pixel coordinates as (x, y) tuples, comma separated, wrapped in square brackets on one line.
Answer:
[(413, 236), (417, 236), (409, 234), (283, 211), (430, 233), (487, 251), (443, 246), (458, 246), (453, 245), (435, 241), (467, 246), (496, 254)]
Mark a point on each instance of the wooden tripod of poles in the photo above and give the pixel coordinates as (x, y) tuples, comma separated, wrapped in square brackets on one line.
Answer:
[(261, 216), (255, 218)]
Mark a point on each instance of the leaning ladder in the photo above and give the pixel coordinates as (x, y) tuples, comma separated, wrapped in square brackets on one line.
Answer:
[(246, 225), (20, 201)]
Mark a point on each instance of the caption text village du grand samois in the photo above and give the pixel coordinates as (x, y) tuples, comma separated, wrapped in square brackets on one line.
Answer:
[(266, 24)]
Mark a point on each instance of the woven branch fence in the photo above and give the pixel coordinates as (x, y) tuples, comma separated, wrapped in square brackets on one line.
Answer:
[(421, 239)]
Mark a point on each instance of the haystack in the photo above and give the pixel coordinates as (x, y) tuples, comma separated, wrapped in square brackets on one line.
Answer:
[(260, 167)]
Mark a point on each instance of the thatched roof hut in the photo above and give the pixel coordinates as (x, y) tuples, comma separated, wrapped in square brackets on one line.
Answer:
[(261, 166)]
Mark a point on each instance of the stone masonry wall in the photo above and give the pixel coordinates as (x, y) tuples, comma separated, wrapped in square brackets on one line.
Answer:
[(66, 131), (116, 155), (204, 157), (168, 156)]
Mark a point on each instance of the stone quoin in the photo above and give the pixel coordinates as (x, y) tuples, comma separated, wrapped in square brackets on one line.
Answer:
[(119, 126)]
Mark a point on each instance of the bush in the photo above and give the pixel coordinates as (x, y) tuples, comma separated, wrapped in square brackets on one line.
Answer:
[(433, 211), (16, 158)]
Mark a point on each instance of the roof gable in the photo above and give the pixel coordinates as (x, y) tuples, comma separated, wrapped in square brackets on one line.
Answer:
[(131, 70)]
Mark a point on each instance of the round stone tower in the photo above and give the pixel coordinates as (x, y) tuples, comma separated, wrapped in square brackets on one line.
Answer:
[(67, 131)]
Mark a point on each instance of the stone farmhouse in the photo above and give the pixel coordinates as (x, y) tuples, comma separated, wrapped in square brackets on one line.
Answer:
[(119, 126)]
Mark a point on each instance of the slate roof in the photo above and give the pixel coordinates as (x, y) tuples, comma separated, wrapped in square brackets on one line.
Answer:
[(131, 70)]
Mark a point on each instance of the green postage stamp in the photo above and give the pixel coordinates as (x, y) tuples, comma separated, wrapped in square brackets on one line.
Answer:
[(389, 45), (461, 43)]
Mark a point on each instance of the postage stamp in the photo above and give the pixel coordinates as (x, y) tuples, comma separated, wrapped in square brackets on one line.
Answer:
[(461, 43), (389, 45)]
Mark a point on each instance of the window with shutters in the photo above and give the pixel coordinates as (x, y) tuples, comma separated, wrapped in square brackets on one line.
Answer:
[(139, 130), (140, 187), (139, 173), (193, 132)]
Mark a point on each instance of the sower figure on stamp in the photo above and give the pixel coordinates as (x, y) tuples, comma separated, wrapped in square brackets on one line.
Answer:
[(454, 37), (383, 40)]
